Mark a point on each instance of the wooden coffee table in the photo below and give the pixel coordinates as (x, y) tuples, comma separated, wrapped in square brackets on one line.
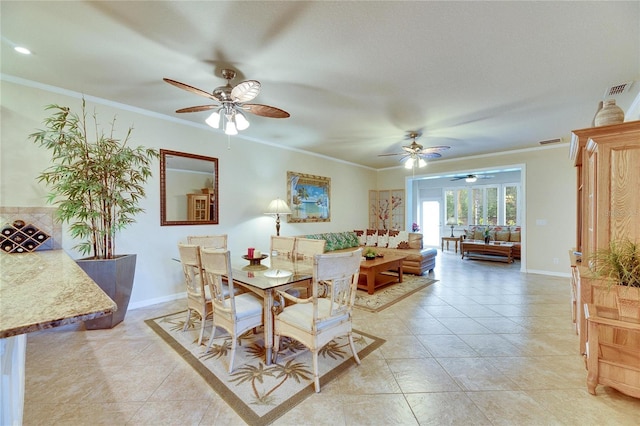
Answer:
[(371, 276), (479, 250)]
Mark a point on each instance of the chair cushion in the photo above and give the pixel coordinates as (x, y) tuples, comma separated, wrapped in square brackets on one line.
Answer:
[(372, 237), (383, 238), (247, 304), (300, 315)]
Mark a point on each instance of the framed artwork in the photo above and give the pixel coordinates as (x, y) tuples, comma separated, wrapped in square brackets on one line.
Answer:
[(309, 197), (386, 209)]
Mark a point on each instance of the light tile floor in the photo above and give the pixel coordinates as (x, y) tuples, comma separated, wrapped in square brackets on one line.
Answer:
[(486, 345)]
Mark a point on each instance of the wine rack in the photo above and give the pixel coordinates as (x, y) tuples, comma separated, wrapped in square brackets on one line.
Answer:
[(20, 237)]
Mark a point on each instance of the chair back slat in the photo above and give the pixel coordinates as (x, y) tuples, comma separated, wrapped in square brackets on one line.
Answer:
[(209, 241), (308, 247), (282, 246), (191, 267), (217, 270), (340, 272)]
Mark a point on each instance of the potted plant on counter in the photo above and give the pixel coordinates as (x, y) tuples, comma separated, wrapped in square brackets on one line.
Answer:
[(97, 182)]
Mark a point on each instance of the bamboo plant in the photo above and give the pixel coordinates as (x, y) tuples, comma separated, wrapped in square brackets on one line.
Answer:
[(96, 180)]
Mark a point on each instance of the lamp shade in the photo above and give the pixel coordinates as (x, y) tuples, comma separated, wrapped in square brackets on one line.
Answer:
[(277, 207)]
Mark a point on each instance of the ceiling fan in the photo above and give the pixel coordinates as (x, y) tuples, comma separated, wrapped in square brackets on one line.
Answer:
[(472, 178), (230, 103), (415, 154)]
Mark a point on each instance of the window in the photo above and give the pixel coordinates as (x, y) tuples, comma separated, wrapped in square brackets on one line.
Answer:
[(483, 205)]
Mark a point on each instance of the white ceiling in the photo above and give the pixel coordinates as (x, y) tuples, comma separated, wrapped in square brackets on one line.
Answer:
[(356, 76)]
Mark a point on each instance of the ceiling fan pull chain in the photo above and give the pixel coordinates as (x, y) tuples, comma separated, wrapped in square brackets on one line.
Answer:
[(229, 142)]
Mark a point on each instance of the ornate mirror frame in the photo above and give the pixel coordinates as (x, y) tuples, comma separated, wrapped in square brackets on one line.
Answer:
[(185, 180)]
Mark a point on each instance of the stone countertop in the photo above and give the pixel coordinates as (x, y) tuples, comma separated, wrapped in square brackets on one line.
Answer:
[(46, 289)]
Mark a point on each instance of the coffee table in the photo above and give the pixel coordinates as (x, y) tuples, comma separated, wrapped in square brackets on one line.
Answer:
[(371, 276), (501, 252)]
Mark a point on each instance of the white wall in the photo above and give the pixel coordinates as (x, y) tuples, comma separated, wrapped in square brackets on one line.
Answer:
[(549, 187), (251, 175)]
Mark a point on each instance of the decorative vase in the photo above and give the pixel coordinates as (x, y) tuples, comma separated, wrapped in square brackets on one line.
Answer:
[(593, 122), (486, 240), (609, 114)]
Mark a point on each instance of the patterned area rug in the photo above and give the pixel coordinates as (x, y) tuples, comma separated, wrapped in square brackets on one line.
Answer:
[(259, 393), (392, 293)]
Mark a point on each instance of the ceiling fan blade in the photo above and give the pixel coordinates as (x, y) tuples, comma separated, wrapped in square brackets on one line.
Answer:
[(435, 149), (265, 111), (245, 91), (191, 89), (430, 155), (198, 108)]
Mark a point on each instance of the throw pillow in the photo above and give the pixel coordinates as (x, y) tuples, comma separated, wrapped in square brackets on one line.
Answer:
[(398, 239), (383, 237), (478, 232), (502, 233), (372, 237), (514, 236), (361, 235)]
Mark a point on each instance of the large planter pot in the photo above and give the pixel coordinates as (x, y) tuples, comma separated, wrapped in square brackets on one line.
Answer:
[(114, 277)]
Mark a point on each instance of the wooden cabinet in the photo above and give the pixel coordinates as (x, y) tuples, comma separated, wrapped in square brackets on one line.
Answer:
[(607, 159), (198, 207)]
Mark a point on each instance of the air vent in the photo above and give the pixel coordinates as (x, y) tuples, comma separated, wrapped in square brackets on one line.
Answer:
[(618, 89), (550, 141)]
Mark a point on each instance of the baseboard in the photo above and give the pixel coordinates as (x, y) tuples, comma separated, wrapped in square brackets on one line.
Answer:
[(553, 274), (149, 302)]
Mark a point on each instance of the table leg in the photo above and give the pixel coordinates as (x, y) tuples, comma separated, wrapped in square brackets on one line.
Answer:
[(442, 246), (371, 280), (400, 269), (456, 243), (268, 326)]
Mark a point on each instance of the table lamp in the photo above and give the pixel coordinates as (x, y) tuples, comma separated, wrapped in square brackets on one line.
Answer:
[(276, 208), (451, 222)]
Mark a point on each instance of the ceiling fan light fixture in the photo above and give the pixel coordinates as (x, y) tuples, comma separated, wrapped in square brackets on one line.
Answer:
[(214, 119), (421, 163), (230, 125), (470, 179), (241, 121), (409, 163)]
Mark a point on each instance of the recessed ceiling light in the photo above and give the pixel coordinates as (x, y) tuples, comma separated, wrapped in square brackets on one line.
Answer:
[(22, 50)]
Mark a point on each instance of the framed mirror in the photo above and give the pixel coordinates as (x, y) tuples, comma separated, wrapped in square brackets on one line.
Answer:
[(188, 189)]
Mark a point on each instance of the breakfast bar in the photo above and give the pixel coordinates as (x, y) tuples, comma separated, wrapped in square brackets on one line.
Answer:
[(39, 290)]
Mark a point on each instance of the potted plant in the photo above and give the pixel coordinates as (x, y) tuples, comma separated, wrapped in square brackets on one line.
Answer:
[(618, 264), (487, 235), (370, 254), (96, 180)]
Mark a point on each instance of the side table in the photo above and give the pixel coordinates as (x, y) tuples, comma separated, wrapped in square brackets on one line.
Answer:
[(447, 239)]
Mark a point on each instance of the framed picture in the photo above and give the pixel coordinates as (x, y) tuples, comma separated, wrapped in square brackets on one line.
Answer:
[(309, 198)]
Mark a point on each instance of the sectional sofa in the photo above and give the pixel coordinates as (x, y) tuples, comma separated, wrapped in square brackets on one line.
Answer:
[(385, 242), (510, 234)]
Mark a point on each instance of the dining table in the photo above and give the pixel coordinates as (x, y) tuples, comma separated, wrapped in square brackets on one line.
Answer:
[(273, 273)]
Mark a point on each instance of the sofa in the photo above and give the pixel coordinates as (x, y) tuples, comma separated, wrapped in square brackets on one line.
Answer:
[(385, 242), (510, 234)]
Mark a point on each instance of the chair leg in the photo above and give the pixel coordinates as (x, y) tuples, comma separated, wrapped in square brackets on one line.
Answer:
[(186, 321), (233, 353), (202, 321), (213, 334), (353, 349), (276, 347), (316, 374)]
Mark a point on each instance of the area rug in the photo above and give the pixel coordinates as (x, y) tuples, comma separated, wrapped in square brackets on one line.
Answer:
[(259, 393), (391, 294)]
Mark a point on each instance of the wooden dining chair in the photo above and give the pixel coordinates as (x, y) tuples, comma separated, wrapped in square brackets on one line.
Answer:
[(306, 248), (318, 320), (197, 298), (209, 241), (234, 313), (282, 246)]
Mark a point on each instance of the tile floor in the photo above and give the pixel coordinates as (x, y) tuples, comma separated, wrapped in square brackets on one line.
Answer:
[(486, 345)]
